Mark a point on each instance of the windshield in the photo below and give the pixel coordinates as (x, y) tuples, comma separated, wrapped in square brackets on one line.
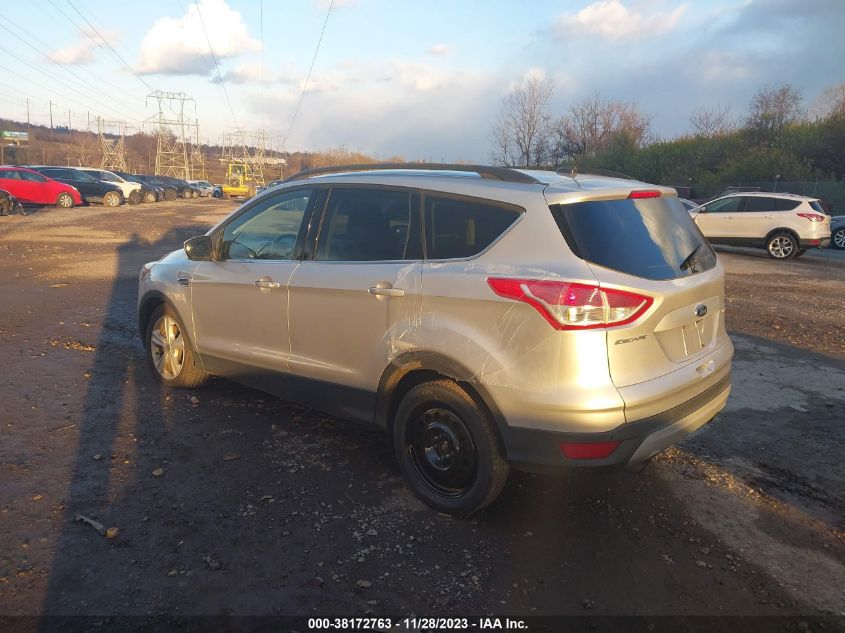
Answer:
[(654, 238)]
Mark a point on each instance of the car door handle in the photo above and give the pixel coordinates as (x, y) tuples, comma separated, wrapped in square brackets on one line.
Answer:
[(267, 283), (384, 289)]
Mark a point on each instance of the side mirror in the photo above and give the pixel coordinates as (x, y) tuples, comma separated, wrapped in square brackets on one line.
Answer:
[(199, 248), (701, 209)]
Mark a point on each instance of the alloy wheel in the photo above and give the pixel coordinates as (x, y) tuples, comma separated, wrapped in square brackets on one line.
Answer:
[(167, 347)]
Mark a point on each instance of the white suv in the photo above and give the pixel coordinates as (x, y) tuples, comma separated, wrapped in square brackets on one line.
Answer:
[(784, 224)]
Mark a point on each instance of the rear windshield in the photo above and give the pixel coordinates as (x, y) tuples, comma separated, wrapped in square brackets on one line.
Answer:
[(654, 238)]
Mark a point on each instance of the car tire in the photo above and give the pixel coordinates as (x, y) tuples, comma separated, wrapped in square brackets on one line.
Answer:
[(448, 449), (65, 201), (150, 197), (194, 194), (169, 194), (837, 239), (134, 197), (782, 246), (169, 352), (111, 199)]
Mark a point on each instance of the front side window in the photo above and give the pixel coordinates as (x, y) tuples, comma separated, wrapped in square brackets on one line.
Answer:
[(463, 227), (267, 231), (727, 205), (364, 225)]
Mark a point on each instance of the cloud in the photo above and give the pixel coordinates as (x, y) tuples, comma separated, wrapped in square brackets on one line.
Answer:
[(179, 46), (439, 49), (532, 73), (81, 52), (251, 73), (611, 20)]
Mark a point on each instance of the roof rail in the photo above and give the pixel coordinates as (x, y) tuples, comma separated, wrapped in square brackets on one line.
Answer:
[(567, 170), (505, 174)]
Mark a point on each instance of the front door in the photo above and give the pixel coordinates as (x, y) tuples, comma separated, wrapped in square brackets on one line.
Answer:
[(718, 219), (240, 300), (354, 300)]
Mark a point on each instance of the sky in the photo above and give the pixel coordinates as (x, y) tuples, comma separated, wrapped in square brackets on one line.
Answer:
[(421, 80)]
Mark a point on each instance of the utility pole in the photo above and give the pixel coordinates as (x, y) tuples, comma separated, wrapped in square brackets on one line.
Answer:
[(68, 122), (51, 120)]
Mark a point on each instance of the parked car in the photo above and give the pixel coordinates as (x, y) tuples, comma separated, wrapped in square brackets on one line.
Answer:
[(92, 189), (30, 187), (149, 193), (183, 189), (169, 191), (497, 319), (204, 188), (837, 232), (9, 205), (689, 205), (218, 191), (131, 189), (784, 224)]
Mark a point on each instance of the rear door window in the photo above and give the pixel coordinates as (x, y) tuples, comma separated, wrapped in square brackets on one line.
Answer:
[(363, 224), (9, 174), (457, 227), (653, 238), (760, 204)]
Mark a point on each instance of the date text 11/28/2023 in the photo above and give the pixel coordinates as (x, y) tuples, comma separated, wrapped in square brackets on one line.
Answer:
[(417, 624)]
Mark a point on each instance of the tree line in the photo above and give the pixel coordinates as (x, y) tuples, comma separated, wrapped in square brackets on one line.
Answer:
[(776, 138)]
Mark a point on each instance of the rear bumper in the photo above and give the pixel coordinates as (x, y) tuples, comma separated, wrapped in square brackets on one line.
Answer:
[(822, 242), (638, 441)]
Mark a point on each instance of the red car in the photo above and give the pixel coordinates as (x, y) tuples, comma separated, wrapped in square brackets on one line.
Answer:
[(30, 187)]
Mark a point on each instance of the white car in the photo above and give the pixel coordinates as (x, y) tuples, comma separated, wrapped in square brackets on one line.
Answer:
[(126, 186), (205, 188), (786, 225)]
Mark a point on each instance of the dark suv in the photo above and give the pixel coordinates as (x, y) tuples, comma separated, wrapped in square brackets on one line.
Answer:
[(92, 190)]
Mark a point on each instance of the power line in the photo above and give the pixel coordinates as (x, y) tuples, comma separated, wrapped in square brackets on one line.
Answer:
[(48, 75), (64, 66), (104, 40), (216, 65), (308, 76)]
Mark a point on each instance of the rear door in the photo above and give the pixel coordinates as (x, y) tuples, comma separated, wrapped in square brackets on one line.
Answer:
[(646, 247), (354, 296), (754, 218), (717, 219), (240, 300)]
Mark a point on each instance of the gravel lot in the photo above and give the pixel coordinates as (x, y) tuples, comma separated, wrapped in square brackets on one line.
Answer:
[(229, 501)]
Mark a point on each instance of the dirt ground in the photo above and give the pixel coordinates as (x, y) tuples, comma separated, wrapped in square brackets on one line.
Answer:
[(231, 502)]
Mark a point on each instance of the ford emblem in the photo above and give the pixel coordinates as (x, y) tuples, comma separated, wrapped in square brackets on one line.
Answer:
[(700, 310)]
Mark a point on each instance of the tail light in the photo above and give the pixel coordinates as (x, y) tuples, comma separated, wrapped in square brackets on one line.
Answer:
[(813, 217), (643, 193), (572, 306)]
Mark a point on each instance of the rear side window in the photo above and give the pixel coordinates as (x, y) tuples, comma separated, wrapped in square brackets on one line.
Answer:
[(366, 224), (463, 227), (784, 204), (817, 206), (653, 238), (9, 174)]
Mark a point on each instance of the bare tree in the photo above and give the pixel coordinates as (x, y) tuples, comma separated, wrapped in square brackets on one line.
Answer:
[(592, 125), (522, 122), (773, 108), (711, 121), (830, 103)]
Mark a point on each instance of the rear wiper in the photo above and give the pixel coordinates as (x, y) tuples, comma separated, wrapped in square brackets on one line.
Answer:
[(688, 260)]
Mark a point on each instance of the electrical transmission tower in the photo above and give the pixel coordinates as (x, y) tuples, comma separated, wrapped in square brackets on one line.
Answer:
[(112, 136), (172, 130), (196, 158), (247, 149)]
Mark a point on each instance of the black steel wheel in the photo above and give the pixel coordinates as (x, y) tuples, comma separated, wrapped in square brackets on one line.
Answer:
[(448, 448)]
